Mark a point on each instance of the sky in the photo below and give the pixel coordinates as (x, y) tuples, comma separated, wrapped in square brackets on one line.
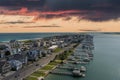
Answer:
[(59, 16)]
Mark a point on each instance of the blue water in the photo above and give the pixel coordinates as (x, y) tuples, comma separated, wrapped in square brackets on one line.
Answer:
[(21, 36)]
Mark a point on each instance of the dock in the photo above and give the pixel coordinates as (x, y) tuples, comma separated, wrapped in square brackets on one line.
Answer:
[(68, 74), (62, 73), (78, 62), (69, 68)]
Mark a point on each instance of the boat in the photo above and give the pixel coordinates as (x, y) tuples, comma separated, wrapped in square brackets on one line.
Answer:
[(82, 68)]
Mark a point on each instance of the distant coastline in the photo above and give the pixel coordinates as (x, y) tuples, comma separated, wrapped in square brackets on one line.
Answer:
[(116, 33), (5, 37)]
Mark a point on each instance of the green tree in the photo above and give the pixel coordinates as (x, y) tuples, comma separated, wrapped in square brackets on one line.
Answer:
[(62, 57)]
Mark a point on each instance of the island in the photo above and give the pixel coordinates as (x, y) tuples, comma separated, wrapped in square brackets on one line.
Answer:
[(36, 58)]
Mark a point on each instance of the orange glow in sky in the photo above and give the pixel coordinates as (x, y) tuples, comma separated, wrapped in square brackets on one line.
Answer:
[(11, 23)]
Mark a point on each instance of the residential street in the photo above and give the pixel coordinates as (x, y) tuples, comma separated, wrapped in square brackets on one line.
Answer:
[(24, 72)]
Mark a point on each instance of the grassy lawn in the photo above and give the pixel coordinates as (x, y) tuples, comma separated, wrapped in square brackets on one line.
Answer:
[(69, 53), (58, 61), (27, 41), (57, 50), (30, 78), (38, 73), (53, 63), (47, 67)]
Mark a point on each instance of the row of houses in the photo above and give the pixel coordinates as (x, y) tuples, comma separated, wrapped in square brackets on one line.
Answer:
[(16, 54)]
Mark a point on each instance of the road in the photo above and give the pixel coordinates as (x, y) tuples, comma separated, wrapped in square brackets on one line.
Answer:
[(24, 72)]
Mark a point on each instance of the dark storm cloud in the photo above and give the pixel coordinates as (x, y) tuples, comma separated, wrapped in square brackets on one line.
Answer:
[(44, 26), (16, 22), (19, 3), (95, 10)]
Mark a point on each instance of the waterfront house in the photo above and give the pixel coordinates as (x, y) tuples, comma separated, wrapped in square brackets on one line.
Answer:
[(4, 66), (53, 43), (27, 46), (2, 54), (33, 55), (38, 43), (15, 64), (48, 44), (39, 53), (14, 43), (44, 43), (21, 57), (41, 43), (60, 43), (44, 52), (53, 47), (2, 47), (4, 51), (14, 51), (49, 51)]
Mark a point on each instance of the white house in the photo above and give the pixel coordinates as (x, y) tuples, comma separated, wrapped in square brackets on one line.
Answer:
[(53, 47)]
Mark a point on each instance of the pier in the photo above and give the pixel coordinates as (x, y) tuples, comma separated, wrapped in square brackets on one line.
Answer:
[(74, 73), (69, 68), (61, 73)]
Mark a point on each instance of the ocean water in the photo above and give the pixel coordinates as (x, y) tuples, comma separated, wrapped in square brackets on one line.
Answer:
[(22, 36), (106, 62)]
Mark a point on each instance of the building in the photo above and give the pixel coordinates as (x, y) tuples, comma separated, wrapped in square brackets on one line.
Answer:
[(15, 64), (21, 57), (4, 51), (44, 52), (14, 46), (53, 47), (33, 55), (39, 53), (4, 66), (14, 43)]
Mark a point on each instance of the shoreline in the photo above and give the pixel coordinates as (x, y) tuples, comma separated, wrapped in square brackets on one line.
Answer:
[(47, 34), (70, 41), (54, 63), (21, 40)]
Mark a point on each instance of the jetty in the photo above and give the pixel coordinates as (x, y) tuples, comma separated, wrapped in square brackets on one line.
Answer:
[(61, 73), (75, 73), (80, 62), (69, 68)]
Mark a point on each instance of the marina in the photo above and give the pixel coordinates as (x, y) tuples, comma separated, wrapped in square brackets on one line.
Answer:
[(105, 64), (81, 55)]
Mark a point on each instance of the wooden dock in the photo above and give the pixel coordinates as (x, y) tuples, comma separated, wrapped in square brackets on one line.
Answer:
[(68, 74), (60, 67), (62, 73)]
